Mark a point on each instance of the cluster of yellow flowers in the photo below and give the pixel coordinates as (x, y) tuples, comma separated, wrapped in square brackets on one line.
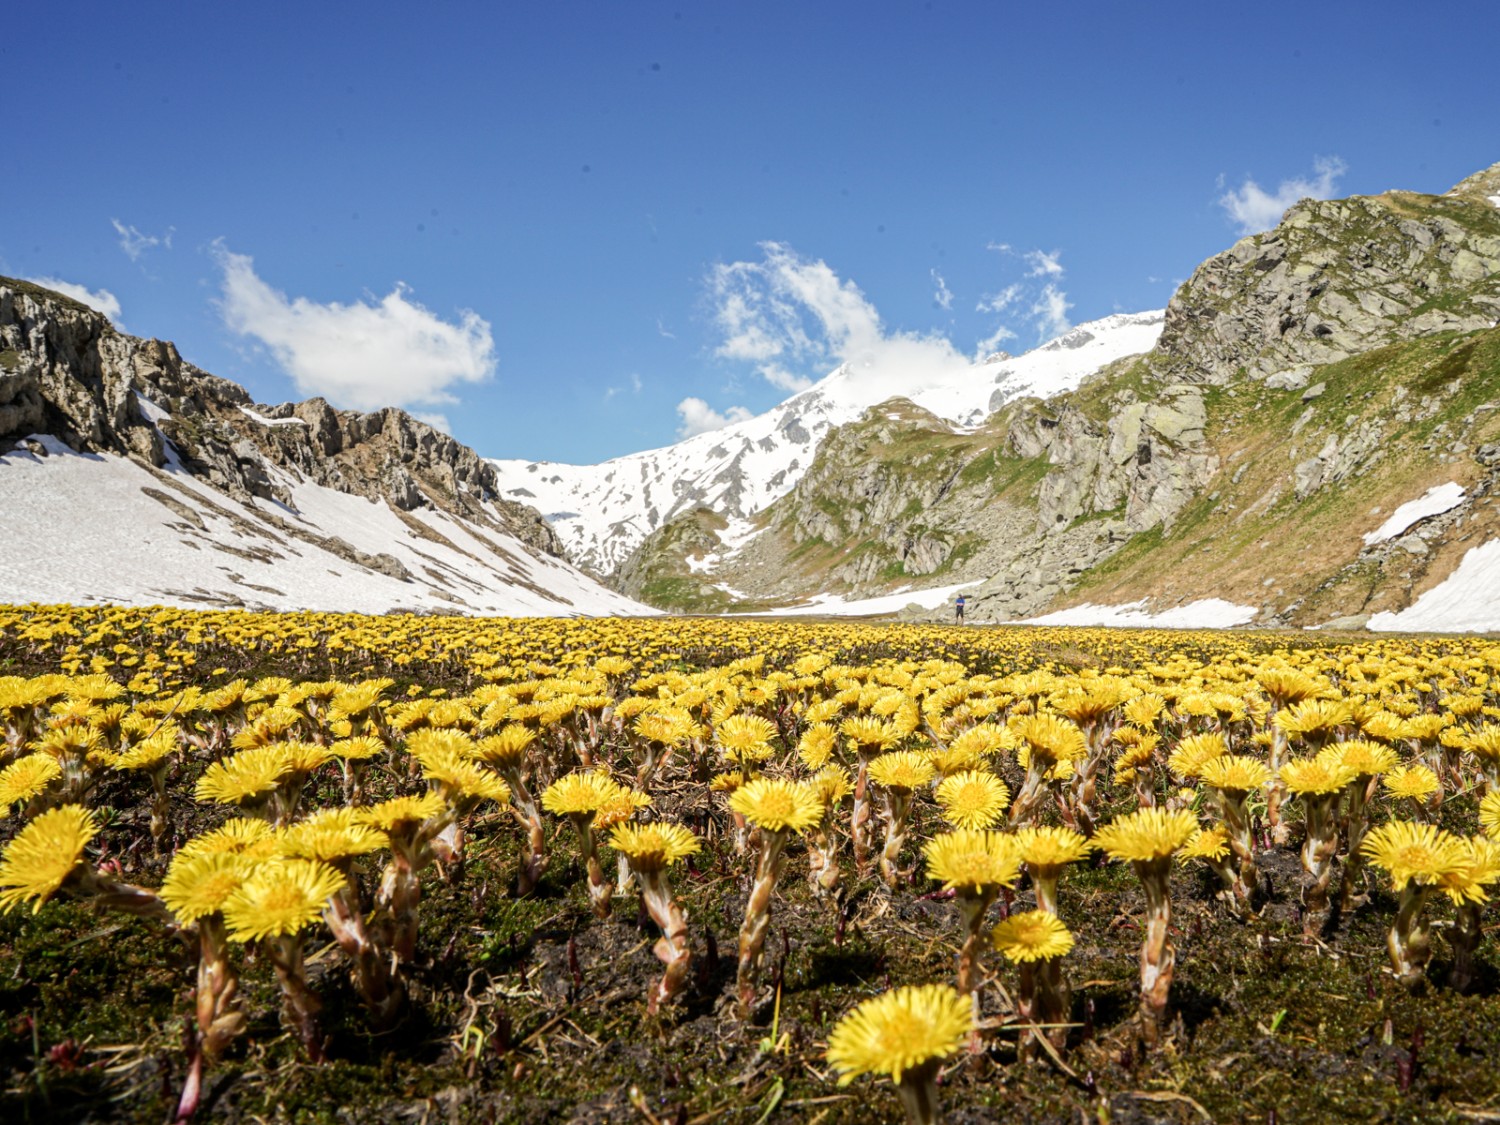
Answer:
[(1036, 749)]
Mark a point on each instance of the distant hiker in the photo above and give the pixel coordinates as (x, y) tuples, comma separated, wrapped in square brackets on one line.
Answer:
[(958, 610)]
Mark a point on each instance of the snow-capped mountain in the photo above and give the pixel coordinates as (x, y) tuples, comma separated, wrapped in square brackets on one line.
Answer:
[(601, 513)]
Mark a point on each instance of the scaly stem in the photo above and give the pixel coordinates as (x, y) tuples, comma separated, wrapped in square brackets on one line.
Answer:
[(376, 978), (1355, 825), (217, 1000), (758, 916), (601, 890), (1237, 821), (972, 907), (919, 1094), (299, 1007), (822, 856), (1158, 957), (1032, 789), (859, 821), (1410, 941), (1276, 790), (1464, 940), (1318, 850), (897, 810), (674, 949)]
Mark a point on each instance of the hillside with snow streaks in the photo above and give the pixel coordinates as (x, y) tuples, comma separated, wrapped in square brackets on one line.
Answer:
[(601, 513), (100, 528)]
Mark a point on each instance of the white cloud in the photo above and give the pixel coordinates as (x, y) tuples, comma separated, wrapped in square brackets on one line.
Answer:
[(100, 300), (787, 312), (364, 356), (943, 298), (783, 379), (1043, 264), (1253, 209), (999, 302), (1050, 312), (635, 387), (135, 243), (700, 418), (991, 343)]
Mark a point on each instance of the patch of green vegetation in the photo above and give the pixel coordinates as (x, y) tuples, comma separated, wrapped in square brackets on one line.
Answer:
[(684, 594), (10, 359)]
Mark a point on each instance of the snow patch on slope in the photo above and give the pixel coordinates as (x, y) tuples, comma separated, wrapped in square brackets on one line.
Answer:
[(1210, 613), (835, 605), (125, 534), (1467, 601), (603, 512), (1434, 502)]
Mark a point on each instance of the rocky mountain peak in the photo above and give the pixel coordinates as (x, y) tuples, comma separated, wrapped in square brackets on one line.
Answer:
[(1335, 278), (66, 371)]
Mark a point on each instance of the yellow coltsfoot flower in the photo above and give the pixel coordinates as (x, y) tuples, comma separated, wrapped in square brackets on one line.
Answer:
[(905, 1034)]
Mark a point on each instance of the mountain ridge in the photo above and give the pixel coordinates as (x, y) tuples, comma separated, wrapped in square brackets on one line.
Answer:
[(204, 467)]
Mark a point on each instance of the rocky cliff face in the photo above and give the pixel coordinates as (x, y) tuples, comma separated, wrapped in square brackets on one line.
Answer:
[(1342, 359), (65, 371)]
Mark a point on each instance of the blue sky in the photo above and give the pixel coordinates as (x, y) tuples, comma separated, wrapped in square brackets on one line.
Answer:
[(573, 230)]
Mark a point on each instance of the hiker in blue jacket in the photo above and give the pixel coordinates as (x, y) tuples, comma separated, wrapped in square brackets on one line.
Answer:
[(958, 610)]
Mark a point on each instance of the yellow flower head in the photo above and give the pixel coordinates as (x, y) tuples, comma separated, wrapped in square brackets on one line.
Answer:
[(400, 814), (899, 1031), (1313, 776), (1032, 935), (972, 799), (331, 835), (746, 737), (1194, 752), (625, 803), (1234, 773), (1050, 847), (1207, 843), (816, 745), (652, 847), (358, 749), (197, 883), (1314, 720), (970, 858), (579, 794), (668, 728), (280, 897), (902, 769), (244, 836), (244, 776), (1415, 781), (1287, 685), (869, 734), (1410, 851), (1484, 743), (507, 747), (831, 784), (1364, 758), (1050, 738), (25, 778), (43, 855), (1489, 813), (463, 777), (147, 754), (1481, 867), (1147, 834), (980, 742), (1143, 711), (777, 805)]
